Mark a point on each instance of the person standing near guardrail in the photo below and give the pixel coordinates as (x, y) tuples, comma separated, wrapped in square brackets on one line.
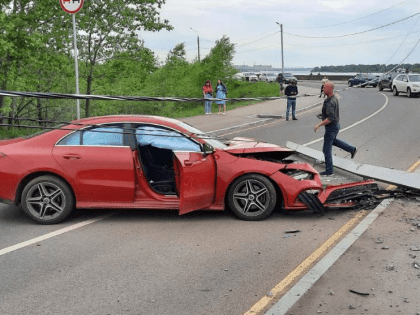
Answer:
[(291, 91), (221, 92), (207, 93), (330, 119)]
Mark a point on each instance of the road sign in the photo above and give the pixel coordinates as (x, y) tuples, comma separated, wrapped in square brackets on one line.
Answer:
[(71, 6)]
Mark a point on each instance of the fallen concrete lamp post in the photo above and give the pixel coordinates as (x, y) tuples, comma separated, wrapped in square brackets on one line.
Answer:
[(402, 179)]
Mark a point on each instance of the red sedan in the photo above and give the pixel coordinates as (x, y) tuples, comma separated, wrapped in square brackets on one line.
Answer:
[(148, 162)]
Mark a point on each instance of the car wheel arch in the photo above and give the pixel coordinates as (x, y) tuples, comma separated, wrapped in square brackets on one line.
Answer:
[(25, 181)]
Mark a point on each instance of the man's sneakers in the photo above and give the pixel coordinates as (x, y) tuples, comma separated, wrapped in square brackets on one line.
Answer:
[(354, 153), (326, 173), (294, 118)]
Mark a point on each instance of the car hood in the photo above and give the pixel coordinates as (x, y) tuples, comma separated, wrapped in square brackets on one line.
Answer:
[(248, 146)]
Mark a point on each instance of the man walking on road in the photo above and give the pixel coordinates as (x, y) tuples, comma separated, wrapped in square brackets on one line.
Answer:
[(291, 92), (330, 119)]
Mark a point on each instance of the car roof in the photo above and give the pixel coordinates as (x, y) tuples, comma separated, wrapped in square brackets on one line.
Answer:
[(126, 118)]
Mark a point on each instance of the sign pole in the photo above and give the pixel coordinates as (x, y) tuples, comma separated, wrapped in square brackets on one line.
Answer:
[(76, 65), (72, 7)]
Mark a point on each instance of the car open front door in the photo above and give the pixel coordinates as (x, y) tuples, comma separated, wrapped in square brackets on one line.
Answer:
[(195, 176)]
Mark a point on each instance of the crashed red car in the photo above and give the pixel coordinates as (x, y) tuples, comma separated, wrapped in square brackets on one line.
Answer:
[(149, 162)]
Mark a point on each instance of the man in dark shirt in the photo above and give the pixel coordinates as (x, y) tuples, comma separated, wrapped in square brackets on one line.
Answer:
[(330, 119), (291, 92)]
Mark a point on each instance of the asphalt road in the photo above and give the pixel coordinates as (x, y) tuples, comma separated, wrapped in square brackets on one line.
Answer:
[(151, 262)]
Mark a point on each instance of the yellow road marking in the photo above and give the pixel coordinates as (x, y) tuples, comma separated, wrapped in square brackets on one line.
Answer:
[(279, 289), (264, 302)]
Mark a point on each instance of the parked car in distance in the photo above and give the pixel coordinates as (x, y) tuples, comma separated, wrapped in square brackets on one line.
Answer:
[(406, 83), (363, 80), (268, 77), (152, 162), (285, 78), (250, 76), (385, 80)]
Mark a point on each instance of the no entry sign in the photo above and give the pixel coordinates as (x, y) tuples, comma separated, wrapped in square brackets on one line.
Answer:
[(71, 6)]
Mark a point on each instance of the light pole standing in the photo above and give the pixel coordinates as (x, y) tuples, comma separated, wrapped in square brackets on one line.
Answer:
[(282, 60), (198, 43)]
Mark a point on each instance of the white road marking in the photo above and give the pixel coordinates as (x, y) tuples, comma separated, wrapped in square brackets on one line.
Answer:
[(356, 123), (52, 234)]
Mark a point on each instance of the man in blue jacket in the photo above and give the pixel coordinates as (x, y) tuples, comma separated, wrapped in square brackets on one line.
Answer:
[(291, 92)]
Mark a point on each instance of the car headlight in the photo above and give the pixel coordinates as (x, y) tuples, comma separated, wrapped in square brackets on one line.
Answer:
[(416, 85), (298, 174)]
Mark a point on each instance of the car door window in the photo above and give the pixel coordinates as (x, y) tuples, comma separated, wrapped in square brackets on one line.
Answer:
[(111, 135), (165, 139)]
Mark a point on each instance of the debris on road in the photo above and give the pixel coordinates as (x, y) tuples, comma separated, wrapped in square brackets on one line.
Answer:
[(292, 231), (360, 293), (415, 248)]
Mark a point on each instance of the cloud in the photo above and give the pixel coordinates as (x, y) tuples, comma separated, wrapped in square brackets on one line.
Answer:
[(252, 26)]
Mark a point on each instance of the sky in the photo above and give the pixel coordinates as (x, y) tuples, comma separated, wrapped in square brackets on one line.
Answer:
[(315, 32)]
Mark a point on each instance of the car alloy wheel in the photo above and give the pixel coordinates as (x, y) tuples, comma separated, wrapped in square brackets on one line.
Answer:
[(380, 87), (252, 197), (395, 91), (47, 200), (350, 84), (409, 94)]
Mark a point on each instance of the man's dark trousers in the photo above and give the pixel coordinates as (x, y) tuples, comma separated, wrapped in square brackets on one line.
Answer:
[(330, 139)]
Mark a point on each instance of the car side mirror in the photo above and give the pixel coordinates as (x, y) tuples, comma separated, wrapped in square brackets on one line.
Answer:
[(208, 149)]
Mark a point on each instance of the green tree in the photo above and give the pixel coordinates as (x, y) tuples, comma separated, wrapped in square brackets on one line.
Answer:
[(108, 28)]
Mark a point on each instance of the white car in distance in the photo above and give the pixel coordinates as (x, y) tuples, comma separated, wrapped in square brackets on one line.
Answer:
[(406, 83), (268, 77), (250, 76)]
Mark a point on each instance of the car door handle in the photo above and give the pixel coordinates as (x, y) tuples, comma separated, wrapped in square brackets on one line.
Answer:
[(71, 156), (188, 163)]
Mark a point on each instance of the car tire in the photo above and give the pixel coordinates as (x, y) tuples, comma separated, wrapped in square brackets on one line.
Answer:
[(350, 84), (395, 91), (380, 87), (409, 94), (252, 197), (47, 200)]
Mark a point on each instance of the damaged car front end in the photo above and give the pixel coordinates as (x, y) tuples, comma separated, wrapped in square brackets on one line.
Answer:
[(300, 184)]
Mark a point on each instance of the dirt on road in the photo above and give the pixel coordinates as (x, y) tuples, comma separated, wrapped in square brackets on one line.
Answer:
[(379, 274)]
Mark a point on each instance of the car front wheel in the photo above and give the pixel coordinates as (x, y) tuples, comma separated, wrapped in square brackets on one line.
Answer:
[(350, 84), (252, 197), (395, 91), (47, 200), (380, 87), (409, 94)]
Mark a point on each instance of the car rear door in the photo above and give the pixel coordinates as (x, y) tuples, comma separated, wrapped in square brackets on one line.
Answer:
[(101, 166), (195, 177)]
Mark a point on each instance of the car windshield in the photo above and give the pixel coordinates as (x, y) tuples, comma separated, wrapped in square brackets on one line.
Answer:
[(288, 75), (271, 75), (414, 78), (213, 142)]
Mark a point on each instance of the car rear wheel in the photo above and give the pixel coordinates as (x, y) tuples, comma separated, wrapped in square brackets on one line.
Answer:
[(252, 197), (47, 200), (395, 91), (380, 87), (409, 94)]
